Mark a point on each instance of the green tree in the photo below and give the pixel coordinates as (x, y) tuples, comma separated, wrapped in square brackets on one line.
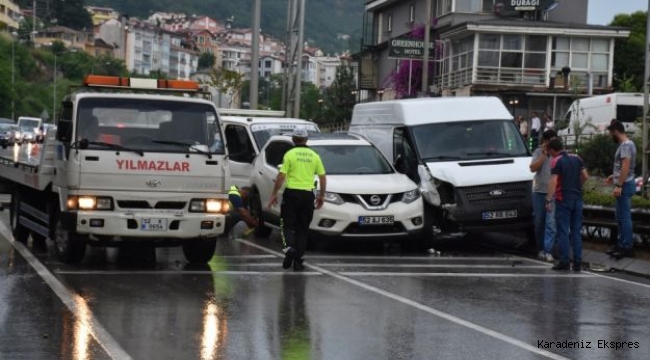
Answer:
[(340, 97), (227, 82), (207, 60), (71, 13), (310, 109), (629, 52)]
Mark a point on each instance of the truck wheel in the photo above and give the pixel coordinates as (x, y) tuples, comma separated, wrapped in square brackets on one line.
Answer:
[(256, 211), (199, 251), (39, 240), (70, 247), (20, 232)]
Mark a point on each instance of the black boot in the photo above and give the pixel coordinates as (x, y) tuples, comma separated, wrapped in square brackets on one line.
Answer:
[(297, 264), (288, 258)]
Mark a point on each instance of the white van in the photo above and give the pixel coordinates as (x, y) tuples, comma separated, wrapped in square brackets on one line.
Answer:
[(29, 127), (595, 113), (466, 154)]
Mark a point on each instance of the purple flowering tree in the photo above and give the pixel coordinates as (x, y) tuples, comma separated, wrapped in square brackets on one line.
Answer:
[(407, 79)]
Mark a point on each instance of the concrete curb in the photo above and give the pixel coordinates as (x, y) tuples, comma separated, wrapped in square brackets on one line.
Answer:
[(628, 265)]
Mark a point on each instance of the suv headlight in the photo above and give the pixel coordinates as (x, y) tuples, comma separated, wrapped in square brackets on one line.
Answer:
[(331, 197), (85, 202), (411, 196), (213, 206)]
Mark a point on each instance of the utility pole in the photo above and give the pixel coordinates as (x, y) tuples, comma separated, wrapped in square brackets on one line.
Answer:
[(427, 39), (255, 58), (293, 65), (646, 107), (34, 21)]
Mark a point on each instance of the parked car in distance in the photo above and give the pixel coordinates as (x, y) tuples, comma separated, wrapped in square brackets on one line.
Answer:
[(9, 134), (366, 197), (6, 121), (29, 127)]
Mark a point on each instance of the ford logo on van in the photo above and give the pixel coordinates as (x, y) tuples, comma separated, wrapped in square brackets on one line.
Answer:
[(153, 183), (497, 193)]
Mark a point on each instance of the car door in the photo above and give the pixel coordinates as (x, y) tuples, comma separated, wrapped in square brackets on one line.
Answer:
[(266, 171), (241, 154)]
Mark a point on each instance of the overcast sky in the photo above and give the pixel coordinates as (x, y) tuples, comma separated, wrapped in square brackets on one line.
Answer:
[(602, 12)]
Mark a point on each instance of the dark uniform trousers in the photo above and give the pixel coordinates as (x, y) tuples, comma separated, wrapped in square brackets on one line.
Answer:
[(297, 211)]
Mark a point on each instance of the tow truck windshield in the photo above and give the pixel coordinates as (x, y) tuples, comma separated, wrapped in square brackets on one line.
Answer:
[(147, 125)]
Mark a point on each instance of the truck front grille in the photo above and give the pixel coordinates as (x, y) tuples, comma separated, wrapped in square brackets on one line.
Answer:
[(141, 204), (496, 193)]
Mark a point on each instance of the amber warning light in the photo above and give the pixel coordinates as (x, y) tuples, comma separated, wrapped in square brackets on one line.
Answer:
[(137, 83)]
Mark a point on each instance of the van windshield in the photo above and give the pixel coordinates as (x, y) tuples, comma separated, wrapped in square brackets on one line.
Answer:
[(28, 125), (469, 140), (352, 160)]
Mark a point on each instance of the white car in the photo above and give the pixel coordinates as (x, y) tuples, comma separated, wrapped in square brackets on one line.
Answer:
[(366, 197)]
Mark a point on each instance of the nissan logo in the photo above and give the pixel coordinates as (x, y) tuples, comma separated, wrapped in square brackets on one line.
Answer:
[(153, 183), (497, 193), (375, 200)]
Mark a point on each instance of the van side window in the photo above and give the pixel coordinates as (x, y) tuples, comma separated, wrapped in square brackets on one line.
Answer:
[(240, 147), (274, 153), (404, 154)]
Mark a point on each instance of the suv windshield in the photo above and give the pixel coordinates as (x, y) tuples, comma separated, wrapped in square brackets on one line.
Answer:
[(147, 125), (469, 140), (263, 132), (352, 160)]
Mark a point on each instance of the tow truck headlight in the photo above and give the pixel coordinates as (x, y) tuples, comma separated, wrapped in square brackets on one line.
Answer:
[(411, 196), (331, 197), (209, 206), (90, 203)]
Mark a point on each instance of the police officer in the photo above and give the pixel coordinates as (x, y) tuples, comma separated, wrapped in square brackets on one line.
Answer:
[(299, 166), (239, 207)]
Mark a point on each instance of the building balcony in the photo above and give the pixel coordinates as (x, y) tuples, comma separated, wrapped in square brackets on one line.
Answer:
[(504, 76)]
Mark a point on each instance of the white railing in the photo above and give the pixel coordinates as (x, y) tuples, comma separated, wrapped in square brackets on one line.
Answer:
[(534, 77)]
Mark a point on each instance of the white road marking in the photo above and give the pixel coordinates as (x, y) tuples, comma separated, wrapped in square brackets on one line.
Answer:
[(437, 266), (419, 306), (430, 258), (629, 282), (103, 338), (485, 275), (181, 272), (246, 256)]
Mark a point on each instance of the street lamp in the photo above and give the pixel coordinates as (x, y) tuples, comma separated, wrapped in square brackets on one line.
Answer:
[(13, 74), (513, 103)]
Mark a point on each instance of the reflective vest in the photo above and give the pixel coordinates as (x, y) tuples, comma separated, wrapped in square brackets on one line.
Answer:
[(234, 190)]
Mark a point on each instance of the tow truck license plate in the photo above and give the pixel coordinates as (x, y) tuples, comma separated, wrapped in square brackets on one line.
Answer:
[(376, 220), (498, 215), (153, 225)]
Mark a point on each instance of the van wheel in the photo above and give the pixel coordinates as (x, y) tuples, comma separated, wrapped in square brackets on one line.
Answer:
[(256, 211), (20, 232), (70, 247), (199, 251)]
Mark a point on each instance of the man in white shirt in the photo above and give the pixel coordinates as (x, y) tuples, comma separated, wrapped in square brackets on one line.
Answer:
[(535, 127)]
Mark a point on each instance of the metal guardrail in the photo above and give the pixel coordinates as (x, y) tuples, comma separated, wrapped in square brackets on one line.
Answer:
[(510, 76)]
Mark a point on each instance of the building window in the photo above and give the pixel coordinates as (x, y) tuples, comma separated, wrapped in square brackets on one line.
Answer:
[(389, 23), (469, 6), (443, 7), (412, 13)]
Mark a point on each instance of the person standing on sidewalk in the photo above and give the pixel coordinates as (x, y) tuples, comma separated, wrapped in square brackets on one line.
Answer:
[(544, 221), (568, 173), (624, 189), (299, 166)]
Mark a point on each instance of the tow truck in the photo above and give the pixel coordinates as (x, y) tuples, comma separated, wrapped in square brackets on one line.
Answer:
[(130, 161)]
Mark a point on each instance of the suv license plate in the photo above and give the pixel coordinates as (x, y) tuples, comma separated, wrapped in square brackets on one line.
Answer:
[(153, 225), (498, 215), (376, 220)]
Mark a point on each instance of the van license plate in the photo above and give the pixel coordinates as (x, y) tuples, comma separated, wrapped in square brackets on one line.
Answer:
[(153, 225), (376, 220), (498, 215)]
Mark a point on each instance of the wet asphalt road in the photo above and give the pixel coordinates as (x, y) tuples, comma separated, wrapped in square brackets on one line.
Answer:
[(352, 302)]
